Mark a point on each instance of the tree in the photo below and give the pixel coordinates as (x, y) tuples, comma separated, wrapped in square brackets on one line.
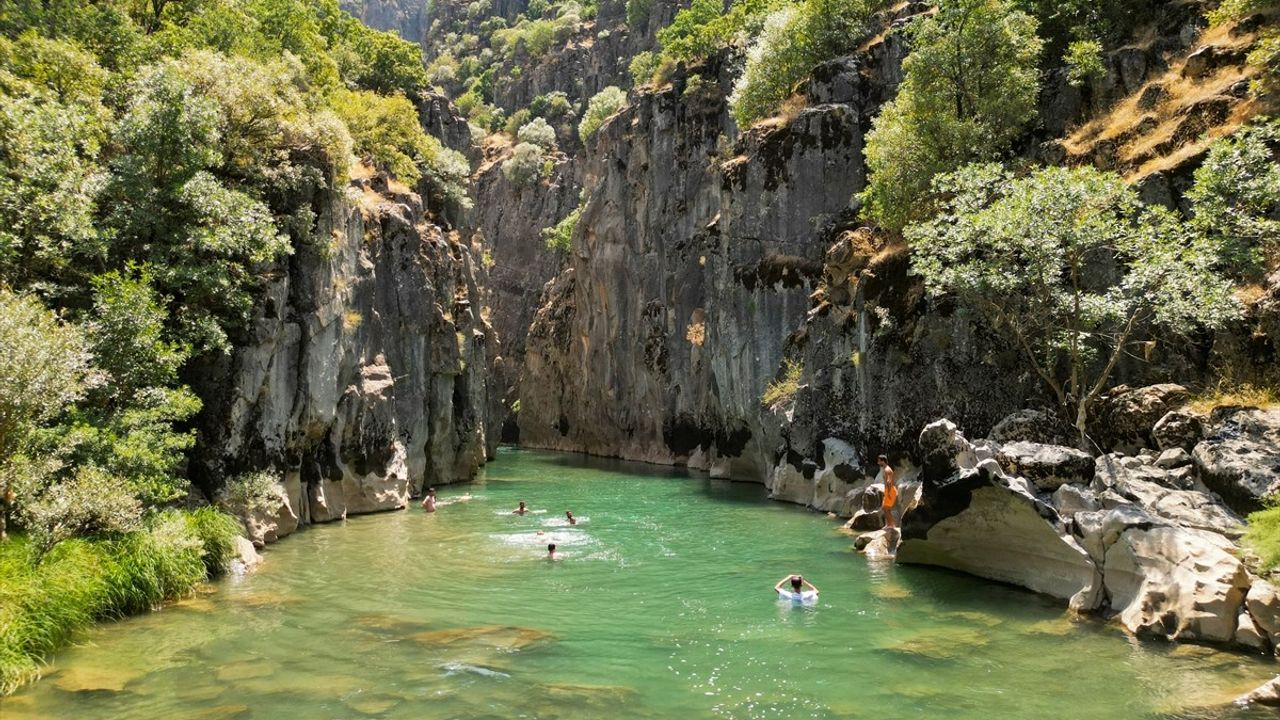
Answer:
[(1236, 196), (969, 88), (538, 132), (602, 106), (525, 165), (1071, 266), (44, 368)]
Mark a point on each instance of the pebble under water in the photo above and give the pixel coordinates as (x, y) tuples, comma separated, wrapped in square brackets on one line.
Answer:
[(662, 607)]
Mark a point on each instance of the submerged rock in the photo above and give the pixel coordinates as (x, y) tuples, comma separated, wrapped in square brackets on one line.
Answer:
[(1267, 695)]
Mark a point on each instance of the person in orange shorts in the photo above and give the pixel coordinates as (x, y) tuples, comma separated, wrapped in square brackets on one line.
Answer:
[(890, 491)]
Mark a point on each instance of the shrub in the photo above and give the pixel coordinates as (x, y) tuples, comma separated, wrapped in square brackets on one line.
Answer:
[(560, 236), (1084, 62), (638, 13), (538, 132), (1236, 196), (90, 502), (252, 491), (784, 388), (643, 67), (525, 166), (1263, 533), (601, 107)]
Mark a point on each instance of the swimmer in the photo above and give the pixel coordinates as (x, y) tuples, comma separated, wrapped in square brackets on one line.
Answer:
[(572, 520), (520, 510), (551, 552), (797, 584), (429, 502)]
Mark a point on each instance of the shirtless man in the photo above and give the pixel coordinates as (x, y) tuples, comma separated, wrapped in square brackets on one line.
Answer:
[(520, 510), (429, 502), (572, 520), (551, 551), (890, 492)]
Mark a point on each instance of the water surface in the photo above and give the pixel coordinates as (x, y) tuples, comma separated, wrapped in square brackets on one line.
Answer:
[(661, 608)]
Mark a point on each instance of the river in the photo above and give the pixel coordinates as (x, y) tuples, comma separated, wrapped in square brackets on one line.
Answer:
[(661, 607)]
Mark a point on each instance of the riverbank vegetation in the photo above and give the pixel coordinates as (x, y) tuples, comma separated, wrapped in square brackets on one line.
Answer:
[(157, 162)]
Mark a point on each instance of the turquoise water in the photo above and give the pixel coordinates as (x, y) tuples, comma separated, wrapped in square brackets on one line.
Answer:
[(662, 607)]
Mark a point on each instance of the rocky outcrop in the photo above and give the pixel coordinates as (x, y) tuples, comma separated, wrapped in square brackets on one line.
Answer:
[(1240, 456), (1133, 538), (364, 375)]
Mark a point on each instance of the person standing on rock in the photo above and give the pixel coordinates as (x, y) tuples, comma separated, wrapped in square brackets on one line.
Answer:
[(429, 502), (890, 492)]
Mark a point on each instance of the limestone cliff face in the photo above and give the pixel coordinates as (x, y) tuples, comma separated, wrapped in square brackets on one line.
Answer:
[(364, 376), (690, 267)]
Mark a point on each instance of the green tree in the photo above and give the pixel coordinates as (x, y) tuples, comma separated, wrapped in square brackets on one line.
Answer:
[(969, 89), (600, 108), (1236, 196), (1071, 266)]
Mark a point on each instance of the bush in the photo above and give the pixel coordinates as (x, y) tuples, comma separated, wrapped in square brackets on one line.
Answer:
[(601, 107), (538, 132), (642, 68), (525, 166), (252, 492), (784, 388), (1236, 196), (1084, 62), (560, 236)]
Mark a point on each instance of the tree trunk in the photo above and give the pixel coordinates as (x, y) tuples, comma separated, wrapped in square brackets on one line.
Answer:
[(1082, 416)]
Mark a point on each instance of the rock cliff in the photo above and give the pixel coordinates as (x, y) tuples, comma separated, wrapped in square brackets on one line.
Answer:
[(365, 374)]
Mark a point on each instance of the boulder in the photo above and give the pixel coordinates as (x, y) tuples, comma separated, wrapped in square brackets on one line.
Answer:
[(1249, 635), (246, 559), (991, 526), (1159, 492), (1240, 456), (1070, 499), (1048, 466), (1040, 426), (1174, 457), (1178, 429), (1175, 583), (1267, 695), (1128, 414), (1263, 602), (944, 451)]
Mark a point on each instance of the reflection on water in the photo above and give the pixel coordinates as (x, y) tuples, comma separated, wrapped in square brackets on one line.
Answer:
[(662, 607)]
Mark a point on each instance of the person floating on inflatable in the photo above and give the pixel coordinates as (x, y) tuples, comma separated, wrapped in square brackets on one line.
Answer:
[(890, 491), (797, 591), (520, 510), (572, 520)]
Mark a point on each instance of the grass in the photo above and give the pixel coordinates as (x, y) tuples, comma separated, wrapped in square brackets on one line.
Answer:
[(1242, 394), (83, 580), (785, 388), (1263, 534)]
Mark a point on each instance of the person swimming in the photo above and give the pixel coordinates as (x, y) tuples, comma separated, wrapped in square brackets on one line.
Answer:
[(798, 584), (429, 502), (569, 515), (551, 552), (520, 510)]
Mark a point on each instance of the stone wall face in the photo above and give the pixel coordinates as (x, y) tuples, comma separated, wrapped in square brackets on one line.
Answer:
[(365, 374)]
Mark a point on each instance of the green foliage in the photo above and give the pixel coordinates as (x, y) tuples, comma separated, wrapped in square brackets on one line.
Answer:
[(1262, 535), (969, 89), (44, 368), (127, 335), (560, 236), (538, 132), (252, 492), (217, 532), (643, 67), (602, 106), (1071, 266), (1084, 62), (1236, 196), (791, 42), (638, 12), (525, 166), (784, 388), (703, 28), (89, 502), (162, 561), (1107, 22)]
